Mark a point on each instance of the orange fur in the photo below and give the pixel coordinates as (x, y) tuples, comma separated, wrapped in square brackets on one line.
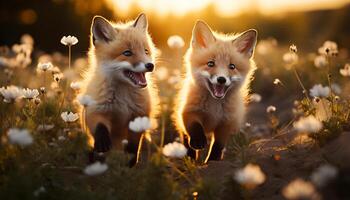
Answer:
[(118, 100), (195, 103)]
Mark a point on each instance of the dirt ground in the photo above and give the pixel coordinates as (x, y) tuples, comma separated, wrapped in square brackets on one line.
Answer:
[(283, 158)]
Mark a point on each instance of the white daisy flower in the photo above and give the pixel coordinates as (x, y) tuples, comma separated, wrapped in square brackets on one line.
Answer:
[(299, 189), (37, 101), (250, 176), (44, 66), (75, 85), (61, 138), (27, 39), (308, 124), (337, 98), (174, 150), (175, 42), (69, 116), (271, 109), (57, 77), (328, 48), (290, 58), (125, 142), (319, 91), (30, 93), (86, 100), (293, 48), (320, 61), (11, 93), (21, 137), (255, 97), (140, 124), (22, 48), (323, 174), (277, 81), (96, 168), (346, 70), (69, 40)]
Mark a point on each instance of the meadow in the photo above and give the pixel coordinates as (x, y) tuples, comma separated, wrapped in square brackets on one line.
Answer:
[(294, 144)]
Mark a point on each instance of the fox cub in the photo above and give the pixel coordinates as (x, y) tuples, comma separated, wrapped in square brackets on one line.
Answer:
[(121, 58), (211, 101)]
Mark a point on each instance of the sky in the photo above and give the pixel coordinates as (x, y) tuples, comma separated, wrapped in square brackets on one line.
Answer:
[(224, 8)]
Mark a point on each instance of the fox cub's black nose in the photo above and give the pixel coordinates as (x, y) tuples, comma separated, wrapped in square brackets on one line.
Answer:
[(221, 80), (149, 66)]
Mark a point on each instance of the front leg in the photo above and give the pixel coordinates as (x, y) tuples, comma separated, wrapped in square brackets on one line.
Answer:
[(190, 151), (98, 132), (195, 131), (102, 139), (102, 143), (216, 151), (221, 136)]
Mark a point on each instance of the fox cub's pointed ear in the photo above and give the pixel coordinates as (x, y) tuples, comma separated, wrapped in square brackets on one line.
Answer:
[(202, 35), (246, 42), (102, 30), (141, 22)]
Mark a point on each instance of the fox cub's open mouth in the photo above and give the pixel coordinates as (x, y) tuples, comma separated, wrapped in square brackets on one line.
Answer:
[(138, 78), (218, 90)]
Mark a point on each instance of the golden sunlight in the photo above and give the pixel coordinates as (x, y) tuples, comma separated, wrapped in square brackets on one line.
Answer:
[(224, 8)]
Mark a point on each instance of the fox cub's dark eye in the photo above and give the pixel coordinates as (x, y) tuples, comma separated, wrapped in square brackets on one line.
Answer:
[(211, 64), (146, 51), (232, 66), (127, 53)]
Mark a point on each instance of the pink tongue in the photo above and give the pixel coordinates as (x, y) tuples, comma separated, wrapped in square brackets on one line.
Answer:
[(219, 90), (140, 78)]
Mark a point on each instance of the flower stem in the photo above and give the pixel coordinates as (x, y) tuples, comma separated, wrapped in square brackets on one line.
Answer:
[(44, 103), (175, 168), (329, 78), (301, 84), (162, 131), (69, 56), (66, 86), (172, 165), (325, 110), (83, 120)]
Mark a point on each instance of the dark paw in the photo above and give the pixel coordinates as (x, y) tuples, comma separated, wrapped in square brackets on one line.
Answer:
[(197, 136), (191, 153), (132, 162), (198, 143), (94, 157), (102, 140), (216, 152), (131, 147)]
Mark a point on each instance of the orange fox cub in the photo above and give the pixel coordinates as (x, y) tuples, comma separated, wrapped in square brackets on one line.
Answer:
[(211, 102), (121, 59)]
